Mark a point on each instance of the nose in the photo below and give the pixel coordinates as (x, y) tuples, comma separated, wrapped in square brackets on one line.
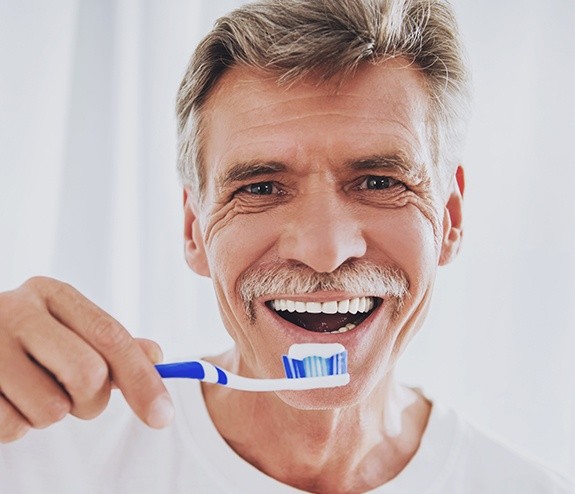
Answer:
[(323, 233)]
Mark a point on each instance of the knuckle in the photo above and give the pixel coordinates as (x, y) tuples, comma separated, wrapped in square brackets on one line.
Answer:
[(56, 290), (108, 335), (89, 379), (9, 305), (12, 425), (13, 432), (38, 283), (91, 410), (53, 411), (47, 288), (22, 305), (14, 314)]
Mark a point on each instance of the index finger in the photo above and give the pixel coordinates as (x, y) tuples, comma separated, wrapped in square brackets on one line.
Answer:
[(130, 368)]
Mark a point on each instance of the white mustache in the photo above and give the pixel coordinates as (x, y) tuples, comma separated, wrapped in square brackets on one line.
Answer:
[(356, 276)]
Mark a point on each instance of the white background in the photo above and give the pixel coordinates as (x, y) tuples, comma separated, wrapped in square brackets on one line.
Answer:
[(89, 194)]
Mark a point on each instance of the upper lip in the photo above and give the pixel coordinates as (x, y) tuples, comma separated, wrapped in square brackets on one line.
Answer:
[(316, 297)]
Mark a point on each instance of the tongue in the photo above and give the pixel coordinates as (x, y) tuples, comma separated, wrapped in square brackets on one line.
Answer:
[(321, 323)]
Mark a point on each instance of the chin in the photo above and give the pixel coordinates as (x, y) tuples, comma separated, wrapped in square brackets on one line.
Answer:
[(352, 394)]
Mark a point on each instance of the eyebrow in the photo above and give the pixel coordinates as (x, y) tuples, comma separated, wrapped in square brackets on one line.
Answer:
[(249, 170), (395, 162)]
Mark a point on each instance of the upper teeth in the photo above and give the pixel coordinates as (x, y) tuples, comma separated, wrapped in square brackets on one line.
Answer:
[(352, 306)]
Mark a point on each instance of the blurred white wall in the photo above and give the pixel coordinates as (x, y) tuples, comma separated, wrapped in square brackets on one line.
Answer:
[(89, 194)]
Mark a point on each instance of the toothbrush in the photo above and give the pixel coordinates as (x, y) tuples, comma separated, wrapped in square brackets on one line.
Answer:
[(307, 366)]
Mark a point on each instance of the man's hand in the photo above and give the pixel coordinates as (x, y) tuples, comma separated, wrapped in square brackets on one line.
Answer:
[(60, 354)]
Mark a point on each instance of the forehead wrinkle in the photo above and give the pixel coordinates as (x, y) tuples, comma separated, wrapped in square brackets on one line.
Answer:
[(371, 123), (266, 100), (301, 116)]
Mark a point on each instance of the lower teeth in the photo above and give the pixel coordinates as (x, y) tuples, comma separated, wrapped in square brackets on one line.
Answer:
[(344, 329)]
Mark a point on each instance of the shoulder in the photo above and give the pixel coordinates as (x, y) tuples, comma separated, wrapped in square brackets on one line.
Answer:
[(489, 464)]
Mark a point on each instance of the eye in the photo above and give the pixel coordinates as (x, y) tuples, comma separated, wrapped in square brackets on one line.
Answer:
[(261, 189), (376, 182)]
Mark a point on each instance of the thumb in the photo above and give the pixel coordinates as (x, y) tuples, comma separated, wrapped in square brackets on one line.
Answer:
[(152, 351)]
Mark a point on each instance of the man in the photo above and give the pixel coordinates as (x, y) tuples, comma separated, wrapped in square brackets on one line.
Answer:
[(319, 145)]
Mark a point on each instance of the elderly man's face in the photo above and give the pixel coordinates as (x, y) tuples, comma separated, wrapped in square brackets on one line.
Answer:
[(322, 194)]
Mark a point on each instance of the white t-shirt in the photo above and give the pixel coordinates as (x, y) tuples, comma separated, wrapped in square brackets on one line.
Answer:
[(116, 453)]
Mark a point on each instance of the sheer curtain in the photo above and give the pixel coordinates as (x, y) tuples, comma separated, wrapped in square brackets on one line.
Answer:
[(89, 194)]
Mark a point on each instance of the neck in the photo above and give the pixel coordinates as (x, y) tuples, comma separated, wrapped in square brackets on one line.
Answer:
[(346, 450)]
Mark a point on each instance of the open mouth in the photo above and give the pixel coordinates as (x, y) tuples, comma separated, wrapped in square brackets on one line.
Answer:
[(334, 316)]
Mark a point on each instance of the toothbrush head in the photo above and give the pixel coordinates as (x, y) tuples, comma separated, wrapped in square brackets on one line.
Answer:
[(307, 360)]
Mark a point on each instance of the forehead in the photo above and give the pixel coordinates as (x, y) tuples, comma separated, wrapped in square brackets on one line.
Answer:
[(382, 108)]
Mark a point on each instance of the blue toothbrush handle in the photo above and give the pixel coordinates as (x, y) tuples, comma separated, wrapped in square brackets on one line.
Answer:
[(193, 370)]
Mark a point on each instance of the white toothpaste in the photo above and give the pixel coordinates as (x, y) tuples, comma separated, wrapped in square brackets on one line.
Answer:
[(300, 351)]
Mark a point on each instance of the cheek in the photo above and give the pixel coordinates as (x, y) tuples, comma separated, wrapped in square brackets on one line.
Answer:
[(407, 237), (236, 240)]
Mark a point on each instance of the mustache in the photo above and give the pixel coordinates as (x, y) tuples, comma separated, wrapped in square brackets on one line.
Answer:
[(356, 276)]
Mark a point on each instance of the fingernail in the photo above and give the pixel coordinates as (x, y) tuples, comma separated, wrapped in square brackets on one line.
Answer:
[(161, 412)]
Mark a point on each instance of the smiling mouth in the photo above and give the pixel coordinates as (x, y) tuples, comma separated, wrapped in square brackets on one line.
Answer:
[(328, 317)]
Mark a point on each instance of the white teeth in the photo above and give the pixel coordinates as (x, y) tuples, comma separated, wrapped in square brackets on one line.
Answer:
[(329, 307), (344, 329), (343, 306), (352, 306)]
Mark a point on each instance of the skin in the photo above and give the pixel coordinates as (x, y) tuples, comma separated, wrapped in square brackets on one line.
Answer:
[(60, 354), (302, 146)]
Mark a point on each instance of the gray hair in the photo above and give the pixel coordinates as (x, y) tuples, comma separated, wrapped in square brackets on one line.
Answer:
[(294, 38)]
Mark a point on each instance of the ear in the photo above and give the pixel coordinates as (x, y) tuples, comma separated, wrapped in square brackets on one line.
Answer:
[(194, 248), (453, 219)]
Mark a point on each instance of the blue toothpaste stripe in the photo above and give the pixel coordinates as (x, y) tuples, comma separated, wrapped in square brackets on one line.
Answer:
[(314, 365), (288, 367)]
